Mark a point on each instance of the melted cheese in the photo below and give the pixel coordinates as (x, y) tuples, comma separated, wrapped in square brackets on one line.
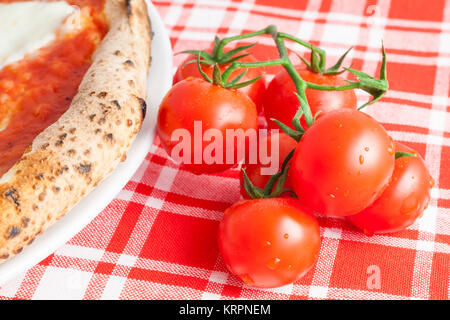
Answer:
[(27, 26)]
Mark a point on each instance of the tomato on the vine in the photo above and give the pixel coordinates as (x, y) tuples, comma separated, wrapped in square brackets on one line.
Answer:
[(254, 170), (217, 108), (269, 242), (342, 163), (281, 103), (403, 201), (255, 91)]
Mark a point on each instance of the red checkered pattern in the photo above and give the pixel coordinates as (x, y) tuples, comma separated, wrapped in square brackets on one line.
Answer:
[(157, 238)]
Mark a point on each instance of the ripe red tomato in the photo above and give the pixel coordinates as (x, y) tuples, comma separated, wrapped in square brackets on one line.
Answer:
[(255, 91), (217, 108), (281, 103), (403, 201), (343, 163), (269, 242), (285, 145)]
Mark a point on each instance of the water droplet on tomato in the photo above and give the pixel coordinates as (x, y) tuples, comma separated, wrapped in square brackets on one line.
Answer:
[(332, 196), (431, 182), (273, 264), (268, 243), (409, 205), (390, 151), (338, 124), (361, 159)]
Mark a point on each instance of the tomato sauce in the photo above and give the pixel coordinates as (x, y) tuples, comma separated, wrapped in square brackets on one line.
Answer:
[(37, 90)]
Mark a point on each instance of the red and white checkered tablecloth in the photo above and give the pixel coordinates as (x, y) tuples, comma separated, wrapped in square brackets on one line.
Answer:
[(157, 238)]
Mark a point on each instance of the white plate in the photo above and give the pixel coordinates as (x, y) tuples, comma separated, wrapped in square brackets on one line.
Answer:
[(88, 208)]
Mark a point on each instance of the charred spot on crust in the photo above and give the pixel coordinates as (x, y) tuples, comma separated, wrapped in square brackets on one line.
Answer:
[(40, 176), (117, 53), (42, 195), (109, 137), (62, 170), (102, 94), (56, 189), (91, 117), (71, 152), (63, 136), (129, 8), (84, 168), (59, 143), (128, 62), (12, 232), (117, 104), (13, 196), (5, 256), (45, 146), (143, 106), (25, 222)]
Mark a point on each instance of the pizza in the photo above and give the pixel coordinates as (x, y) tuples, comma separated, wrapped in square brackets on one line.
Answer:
[(72, 99)]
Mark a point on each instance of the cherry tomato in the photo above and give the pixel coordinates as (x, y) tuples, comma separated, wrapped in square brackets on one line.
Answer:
[(269, 242), (254, 170), (193, 100), (255, 91), (403, 201), (281, 103), (343, 163)]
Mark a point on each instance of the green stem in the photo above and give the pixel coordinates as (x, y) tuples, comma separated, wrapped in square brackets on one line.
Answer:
[(305, 44), (236, 65), (332, 88), (300, 84), (284, 61), (225, 41)]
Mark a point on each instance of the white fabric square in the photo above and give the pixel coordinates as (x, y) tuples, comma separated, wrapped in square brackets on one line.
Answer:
[(62, 284), (318, 292), (205, 18), (165, 179), (337, 33)]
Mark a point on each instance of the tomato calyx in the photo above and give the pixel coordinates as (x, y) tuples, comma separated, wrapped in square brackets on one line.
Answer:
[(400, 154), (317, 62), (218, 56), (298, 131), (274, 187), (375, 87), (218, 78)]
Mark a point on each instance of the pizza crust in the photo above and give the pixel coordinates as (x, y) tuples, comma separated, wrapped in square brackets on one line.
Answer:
[(68, 159)]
